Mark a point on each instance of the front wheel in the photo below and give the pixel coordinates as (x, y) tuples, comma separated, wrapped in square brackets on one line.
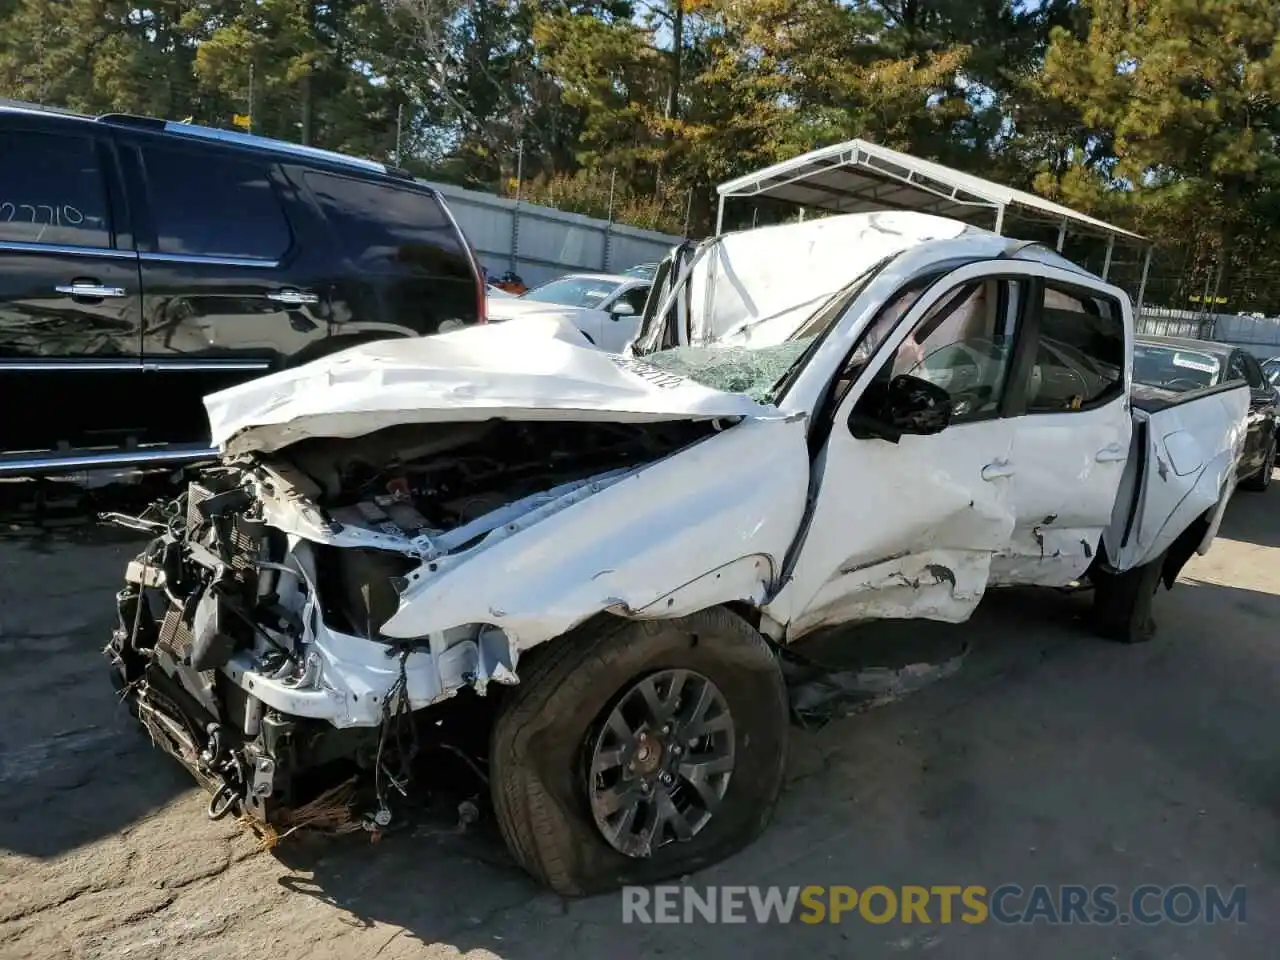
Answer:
[(1261, 480), (631, 751)]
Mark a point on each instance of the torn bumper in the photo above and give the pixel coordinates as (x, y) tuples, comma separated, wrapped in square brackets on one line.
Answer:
[(223, 653), (345, 680)]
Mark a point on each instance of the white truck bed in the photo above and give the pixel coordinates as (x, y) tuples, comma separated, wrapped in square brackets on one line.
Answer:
[(1181, 464)]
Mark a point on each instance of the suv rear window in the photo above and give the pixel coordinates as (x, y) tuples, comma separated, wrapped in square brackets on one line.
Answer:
[(390, 229), (51, 191), (208, 204)]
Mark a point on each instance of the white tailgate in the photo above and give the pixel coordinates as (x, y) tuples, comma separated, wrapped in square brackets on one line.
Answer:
[(1183, 459)]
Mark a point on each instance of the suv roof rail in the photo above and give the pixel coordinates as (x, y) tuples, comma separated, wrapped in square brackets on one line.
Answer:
[(132, 120), (6, 102), (197, 132)]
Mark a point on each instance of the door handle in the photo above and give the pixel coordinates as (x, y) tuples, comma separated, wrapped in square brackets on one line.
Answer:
[(1111, 453), (997, 469), (89, 290), (295, 297)]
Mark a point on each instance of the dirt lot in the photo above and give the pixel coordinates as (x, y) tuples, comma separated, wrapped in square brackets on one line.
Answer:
[(1050, 758)]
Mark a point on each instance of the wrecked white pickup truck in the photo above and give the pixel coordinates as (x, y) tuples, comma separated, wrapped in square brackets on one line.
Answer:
[(870, 416)]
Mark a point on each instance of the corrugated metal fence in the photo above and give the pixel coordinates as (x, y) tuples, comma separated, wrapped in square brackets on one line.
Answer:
[(1260, 335), (540, 243)]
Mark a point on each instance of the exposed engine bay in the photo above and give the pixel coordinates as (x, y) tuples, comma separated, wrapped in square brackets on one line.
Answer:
[(249, 641)]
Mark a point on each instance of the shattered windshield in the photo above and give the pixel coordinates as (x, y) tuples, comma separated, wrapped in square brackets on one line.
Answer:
[(759, 372), (733, 369)]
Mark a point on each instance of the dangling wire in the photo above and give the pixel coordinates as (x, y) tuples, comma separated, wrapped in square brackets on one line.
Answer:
[(396, 716)]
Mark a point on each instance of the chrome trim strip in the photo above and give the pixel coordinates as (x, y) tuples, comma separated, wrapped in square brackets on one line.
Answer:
[(96, 366), (89, 291), (207, 366), (215, 261), (294, 297), (136, 366), (194, 131), (105, 253), (21, 465)]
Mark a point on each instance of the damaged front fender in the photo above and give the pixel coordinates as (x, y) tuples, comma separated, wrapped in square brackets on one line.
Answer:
[(708, 526)]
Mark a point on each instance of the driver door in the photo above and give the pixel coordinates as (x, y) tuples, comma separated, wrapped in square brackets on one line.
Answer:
[(908, 529)]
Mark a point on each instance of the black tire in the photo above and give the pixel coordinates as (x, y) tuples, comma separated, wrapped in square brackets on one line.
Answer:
[(1122, 602), (536, 771), (1260, 481)]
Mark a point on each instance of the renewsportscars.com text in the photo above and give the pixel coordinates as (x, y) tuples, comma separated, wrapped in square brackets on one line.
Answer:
[(1008, 903)]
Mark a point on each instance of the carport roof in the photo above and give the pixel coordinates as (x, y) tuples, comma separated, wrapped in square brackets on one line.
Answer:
[(859, 176)]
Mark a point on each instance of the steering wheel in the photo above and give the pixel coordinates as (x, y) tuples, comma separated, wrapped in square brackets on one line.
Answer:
[(965, 402), (1183, 383)]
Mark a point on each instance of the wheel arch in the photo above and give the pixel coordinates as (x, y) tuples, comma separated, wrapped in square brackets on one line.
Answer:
[(1186, 544)]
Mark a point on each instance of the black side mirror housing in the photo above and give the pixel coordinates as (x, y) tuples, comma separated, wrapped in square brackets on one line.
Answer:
[(907, 406)]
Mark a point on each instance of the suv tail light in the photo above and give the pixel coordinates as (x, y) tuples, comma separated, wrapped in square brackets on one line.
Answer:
[(482, 301)]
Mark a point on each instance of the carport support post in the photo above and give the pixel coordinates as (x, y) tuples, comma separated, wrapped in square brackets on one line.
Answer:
[(1000, 219), (1106, 264), (515, 211), (1142, 284), (1217, 284), (608, 227), (1062, 235), (720, 216)]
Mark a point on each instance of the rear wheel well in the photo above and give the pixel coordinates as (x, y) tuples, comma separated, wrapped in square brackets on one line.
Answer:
[(748, 612), (1175, 557), (1181, 550)]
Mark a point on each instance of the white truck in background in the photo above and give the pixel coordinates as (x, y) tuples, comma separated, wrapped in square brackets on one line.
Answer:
[(868, 416)]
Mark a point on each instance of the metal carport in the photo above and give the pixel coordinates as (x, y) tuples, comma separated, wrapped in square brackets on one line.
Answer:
[(859, 176)]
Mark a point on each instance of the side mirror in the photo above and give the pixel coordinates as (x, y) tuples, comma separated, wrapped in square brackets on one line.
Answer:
[(908, 406), (622, 309)]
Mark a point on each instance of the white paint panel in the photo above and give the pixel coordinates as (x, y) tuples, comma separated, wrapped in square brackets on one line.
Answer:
[(1186, 452), (632, 546), (900, 530), (1067, 470), (1210, 430)]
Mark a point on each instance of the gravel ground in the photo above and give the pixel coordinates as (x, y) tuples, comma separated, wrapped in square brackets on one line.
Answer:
[(1051, 757)]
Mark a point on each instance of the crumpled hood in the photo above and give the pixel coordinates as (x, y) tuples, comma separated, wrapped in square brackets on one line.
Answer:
[(533, 368)]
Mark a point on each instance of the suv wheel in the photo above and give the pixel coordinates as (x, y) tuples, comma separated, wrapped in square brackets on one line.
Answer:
[(1261, 480), (633, 751)]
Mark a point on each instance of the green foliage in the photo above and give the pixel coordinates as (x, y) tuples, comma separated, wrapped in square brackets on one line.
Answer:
[(597, 194), (1160, 114)]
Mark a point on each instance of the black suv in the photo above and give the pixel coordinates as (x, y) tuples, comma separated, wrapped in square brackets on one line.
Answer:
[(144, 264)]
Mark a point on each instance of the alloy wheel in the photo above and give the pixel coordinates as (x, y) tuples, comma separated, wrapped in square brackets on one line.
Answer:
[(660, 762)]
